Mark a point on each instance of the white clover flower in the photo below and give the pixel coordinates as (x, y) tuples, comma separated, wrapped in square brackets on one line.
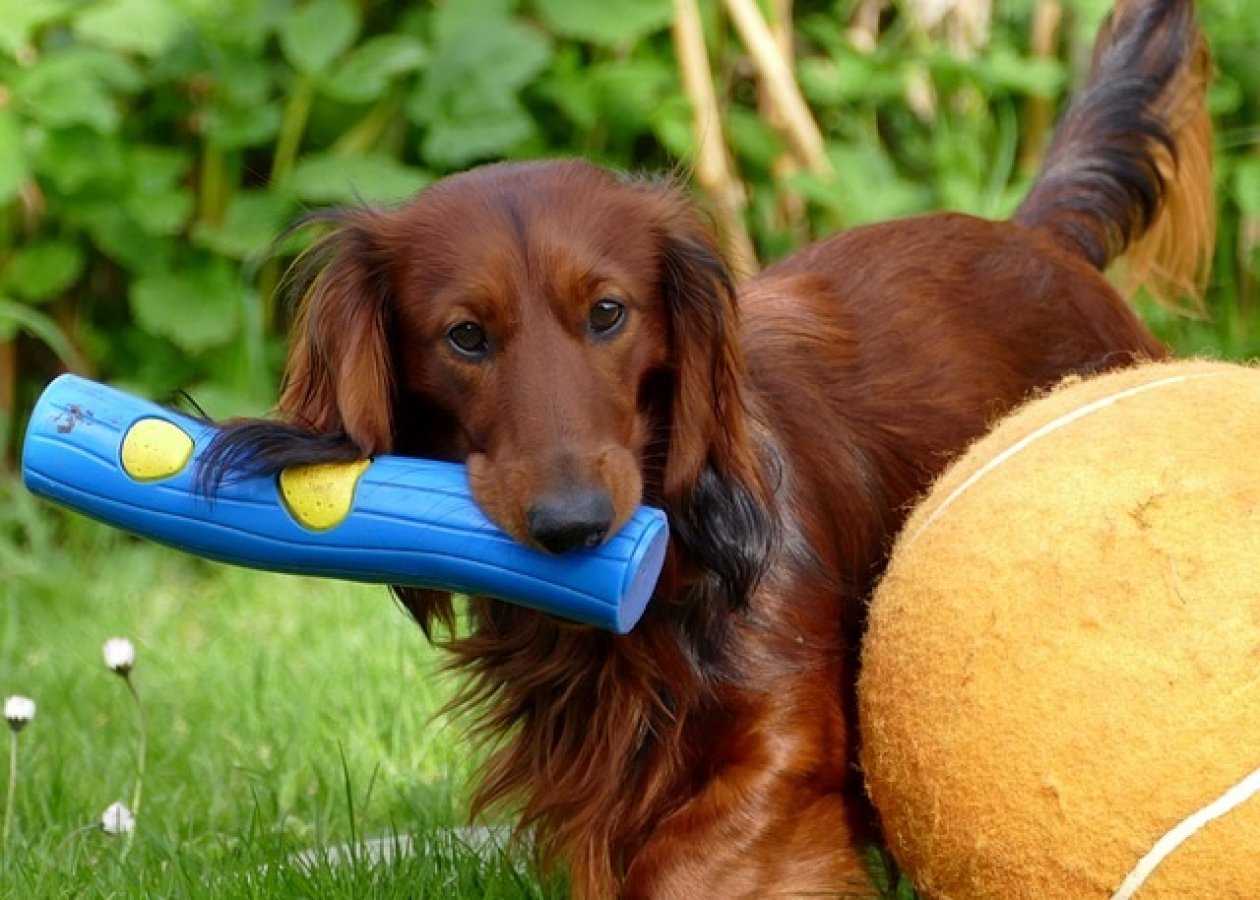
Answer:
[(19, 711), (117, 819), (120, 655)]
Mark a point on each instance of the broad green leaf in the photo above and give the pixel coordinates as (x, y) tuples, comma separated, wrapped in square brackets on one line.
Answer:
[(157, 200), (948, 71), (18, 317), (235, 127), (74, 100), (1247, 185), (76, 86), (13, 166), (864, 186), (77, 157), (19, 19), (116, 233), (491, 60), (241, 79), (567, 85), (114, 70), (490, 132), (673, 125), (450, 20), (1225, 96), (161, 213), (328, 178), (317, 32), (849, 78), (41, 270), (196, 308), (467, 100), (244, 110), (253, 220), (240, 24), (629, 93), (755, 140), (1037, 77), (609, 22), (366, 72), (155, 167), (146, 27)]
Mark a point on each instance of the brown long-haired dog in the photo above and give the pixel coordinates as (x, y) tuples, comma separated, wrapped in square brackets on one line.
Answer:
[(575, 337)]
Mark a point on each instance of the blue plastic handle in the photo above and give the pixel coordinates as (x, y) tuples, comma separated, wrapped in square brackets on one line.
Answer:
[(411, 521)]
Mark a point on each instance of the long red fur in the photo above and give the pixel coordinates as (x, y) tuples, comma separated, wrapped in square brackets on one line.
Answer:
[(785, 427)]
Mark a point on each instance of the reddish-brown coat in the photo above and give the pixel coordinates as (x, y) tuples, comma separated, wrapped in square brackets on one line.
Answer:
[(785, 430), (833, 388)]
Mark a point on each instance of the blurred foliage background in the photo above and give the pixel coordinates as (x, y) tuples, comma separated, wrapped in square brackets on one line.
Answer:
[(152, 150)]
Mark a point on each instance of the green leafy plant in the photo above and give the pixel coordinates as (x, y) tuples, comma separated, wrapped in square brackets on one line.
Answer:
[(152, 150)]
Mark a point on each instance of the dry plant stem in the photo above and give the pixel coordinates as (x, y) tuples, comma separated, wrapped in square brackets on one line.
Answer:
[(292, 127), (864, 30), (802, 131), (34, 205), (1248, 241), (790, 208), (141, 754), (968, 26), (1039, 114), (713, 167)]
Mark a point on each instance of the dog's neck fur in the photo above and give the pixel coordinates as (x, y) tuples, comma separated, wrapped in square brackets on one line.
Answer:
[(552, 700)]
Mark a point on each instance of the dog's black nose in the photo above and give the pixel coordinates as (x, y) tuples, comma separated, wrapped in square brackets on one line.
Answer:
[(576, 518)]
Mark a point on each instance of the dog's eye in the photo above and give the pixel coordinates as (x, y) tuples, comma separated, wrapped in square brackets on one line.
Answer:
[(468, 338), (606, 315)]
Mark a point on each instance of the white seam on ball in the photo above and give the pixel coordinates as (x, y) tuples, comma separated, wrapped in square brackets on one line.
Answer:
[(1183, 831), (1050, 427)]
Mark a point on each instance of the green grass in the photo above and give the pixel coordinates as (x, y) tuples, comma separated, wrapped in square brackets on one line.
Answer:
[(284, 715)]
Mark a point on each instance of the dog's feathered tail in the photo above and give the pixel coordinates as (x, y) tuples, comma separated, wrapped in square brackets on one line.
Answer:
[(1129, 172)]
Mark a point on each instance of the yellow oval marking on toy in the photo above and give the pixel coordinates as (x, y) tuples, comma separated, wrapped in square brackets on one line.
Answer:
[(154, 449), (319, 497)]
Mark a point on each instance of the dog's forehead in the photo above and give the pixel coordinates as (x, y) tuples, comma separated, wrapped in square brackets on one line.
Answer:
[(540, 205), (558, 230)]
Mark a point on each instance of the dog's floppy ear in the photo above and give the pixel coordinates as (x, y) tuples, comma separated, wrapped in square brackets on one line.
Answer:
[(339, 375), (708, 418), (713, 485)]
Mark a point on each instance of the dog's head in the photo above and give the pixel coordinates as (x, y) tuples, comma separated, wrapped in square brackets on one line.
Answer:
[(568, 333)]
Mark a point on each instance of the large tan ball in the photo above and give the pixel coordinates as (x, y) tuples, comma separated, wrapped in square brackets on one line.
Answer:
[(1062, 669)]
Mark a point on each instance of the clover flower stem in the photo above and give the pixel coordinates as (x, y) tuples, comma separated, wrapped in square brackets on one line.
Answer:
[(12, 791), (141, 754)]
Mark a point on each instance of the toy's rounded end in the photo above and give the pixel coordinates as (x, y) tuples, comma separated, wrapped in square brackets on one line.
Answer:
[(648, 558)]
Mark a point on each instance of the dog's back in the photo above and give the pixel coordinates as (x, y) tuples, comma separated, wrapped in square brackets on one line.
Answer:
[(908, 339)]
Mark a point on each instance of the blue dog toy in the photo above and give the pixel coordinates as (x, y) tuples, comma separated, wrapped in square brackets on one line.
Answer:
[(391, 520)]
